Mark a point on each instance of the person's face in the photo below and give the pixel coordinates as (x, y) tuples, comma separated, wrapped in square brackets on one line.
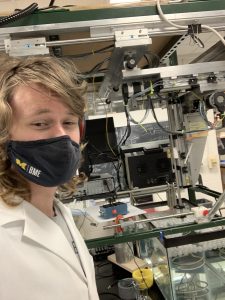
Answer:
[(39, 115)]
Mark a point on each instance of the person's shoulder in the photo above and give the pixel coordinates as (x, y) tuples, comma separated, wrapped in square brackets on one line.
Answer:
[(6, 207), (9, 213)]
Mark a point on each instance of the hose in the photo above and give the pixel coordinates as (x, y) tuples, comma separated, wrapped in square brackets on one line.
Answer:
[(18, 15)]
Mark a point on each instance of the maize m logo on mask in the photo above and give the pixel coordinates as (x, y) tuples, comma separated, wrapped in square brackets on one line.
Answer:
[(36, 162), (29, 169)]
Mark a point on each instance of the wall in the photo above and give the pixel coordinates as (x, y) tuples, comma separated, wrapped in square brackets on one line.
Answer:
[(7, 7)]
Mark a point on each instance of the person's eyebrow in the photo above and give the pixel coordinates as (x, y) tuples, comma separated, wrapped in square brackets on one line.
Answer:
[(40, 112), (46, 110)]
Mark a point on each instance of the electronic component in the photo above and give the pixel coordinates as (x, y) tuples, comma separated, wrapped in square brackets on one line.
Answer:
[(98, 186), (97, 150), (100, 253), (108, 211), (217, 100), (147, 167)]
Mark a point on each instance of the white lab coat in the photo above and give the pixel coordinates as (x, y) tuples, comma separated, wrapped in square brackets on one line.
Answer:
[(36, 260)]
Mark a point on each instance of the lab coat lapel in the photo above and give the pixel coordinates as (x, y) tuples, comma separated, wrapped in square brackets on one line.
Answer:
[(41, 229), (78, 241)]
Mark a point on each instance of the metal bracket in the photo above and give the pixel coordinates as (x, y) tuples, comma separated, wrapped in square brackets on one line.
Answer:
[(127, 42), (128, 38), (25, 47), (3, 37)]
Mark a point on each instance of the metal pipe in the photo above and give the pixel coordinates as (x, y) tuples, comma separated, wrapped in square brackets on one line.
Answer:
[(79, 41), (216, 206), (148, 220), (152, 190)]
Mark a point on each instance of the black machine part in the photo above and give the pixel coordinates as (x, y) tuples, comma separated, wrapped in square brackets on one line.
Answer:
[(148, 167), (217, 101)]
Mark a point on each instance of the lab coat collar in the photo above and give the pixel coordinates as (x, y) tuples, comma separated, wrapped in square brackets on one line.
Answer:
[(11, 213), (37, 227)]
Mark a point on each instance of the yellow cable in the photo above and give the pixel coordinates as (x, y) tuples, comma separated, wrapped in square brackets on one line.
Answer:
[(142, 127)]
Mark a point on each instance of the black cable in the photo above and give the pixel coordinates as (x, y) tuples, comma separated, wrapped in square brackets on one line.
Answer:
[(102, 156), (157, 122), (148, 62), (102, 275), (106, 183), (145, 115), (128, 125), (121, 140), (137, 265), (118, 173), (100, 153), (101, 50), (104, 293), (103, 264), (161, 97), (197, 41), (52, 2), (182, 132), (18, 15), (152, 59), (96, 68)]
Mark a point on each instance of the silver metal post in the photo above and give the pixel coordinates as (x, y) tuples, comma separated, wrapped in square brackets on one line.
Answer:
[(217, 206)]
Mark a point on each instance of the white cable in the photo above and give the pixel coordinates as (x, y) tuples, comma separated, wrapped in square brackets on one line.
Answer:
[(214, 31), (140, 93), (188, 154), (138, 122), (185, 27), (164, 17)]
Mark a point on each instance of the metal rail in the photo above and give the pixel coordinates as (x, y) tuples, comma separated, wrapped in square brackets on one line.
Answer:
[(123, 225), (104, 22), (151, 233)]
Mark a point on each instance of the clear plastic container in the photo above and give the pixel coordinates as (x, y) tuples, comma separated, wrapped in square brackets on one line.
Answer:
[(124, 252)]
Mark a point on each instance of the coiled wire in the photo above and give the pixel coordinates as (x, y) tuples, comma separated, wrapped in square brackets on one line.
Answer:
[(18, 15)]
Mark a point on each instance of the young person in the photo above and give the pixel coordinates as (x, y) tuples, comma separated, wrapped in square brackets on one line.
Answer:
[(42, 255)]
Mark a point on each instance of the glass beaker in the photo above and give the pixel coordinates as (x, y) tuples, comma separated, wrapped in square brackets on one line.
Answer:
[(142, 294)]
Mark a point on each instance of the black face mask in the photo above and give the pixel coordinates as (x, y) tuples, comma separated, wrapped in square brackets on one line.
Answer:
[(47, 162)]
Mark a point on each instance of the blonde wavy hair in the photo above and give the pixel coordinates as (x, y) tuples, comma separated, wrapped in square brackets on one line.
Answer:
[(58, 76)]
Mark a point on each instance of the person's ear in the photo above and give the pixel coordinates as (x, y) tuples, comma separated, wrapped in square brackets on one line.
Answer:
[(82, 125)]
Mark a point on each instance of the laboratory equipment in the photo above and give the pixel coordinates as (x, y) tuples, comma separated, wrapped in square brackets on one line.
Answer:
[(189, 265)]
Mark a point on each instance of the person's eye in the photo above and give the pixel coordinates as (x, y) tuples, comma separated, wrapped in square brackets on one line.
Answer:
[(71, 123), (40, 124)]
